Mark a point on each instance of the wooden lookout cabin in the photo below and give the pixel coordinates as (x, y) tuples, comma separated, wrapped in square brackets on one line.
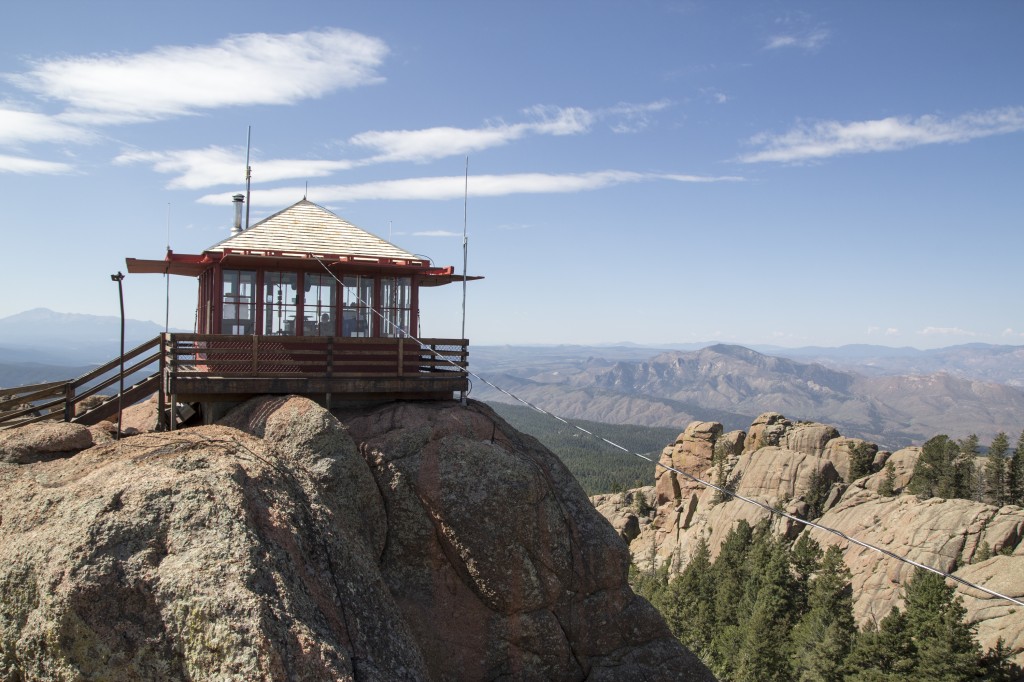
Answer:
[(305, 302)]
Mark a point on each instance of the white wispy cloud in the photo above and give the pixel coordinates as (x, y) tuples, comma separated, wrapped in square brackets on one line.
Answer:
[(435, 143), (437, 233), (831, 138), (628, 117), (18, 127), (945, 331), (26, 166), (453, 187), (212, 166), (811, 40), (249, 69), (887, 331)]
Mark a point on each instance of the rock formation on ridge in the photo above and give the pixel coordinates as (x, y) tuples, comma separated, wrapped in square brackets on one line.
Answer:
[(797, 466), (409, 541)]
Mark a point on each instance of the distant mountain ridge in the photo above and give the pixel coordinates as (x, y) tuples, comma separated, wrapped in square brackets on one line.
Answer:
[(48, 337), (987, 362), (730, 384), (893, 396)]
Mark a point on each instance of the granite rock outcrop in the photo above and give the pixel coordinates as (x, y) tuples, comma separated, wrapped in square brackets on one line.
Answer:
[(803, 469), (404, 542)]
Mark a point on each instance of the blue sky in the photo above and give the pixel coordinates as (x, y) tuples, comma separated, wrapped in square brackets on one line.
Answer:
[(798, 173)]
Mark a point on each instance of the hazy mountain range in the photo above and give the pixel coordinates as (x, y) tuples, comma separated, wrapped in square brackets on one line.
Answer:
[(956, 391), (43, 345), (893, 396)]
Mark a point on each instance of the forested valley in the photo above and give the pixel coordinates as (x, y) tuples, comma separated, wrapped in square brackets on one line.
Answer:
[(597, 466)]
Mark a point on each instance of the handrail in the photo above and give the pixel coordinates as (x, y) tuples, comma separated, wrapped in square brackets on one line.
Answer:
[(38, 387), (67, 397), (116, 362)]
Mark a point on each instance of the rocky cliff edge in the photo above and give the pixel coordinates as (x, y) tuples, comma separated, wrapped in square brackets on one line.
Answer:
[(404, 542)]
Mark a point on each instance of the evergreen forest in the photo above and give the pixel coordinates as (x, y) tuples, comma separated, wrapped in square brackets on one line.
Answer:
[(597, 466), (768, 610)]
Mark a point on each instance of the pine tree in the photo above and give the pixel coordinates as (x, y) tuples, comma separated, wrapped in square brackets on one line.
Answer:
[(962, 484), (1015, 474), (689, 604), (862, 456), (936, 457), (652, 583), (946, 647), (995, 470), (887, 488), (945, 468), (818, 488), (883, 654), (766, 613), (729, 572), (998, 664), (824, 636)]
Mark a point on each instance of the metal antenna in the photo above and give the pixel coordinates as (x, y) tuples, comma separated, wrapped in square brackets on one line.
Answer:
[(167, 276), (248, 176), (465, 255)]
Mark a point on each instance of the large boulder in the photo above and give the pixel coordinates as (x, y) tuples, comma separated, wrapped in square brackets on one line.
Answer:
[(410, 542), (688, 510), (809, 437), (692, 454), (547, 601), (42, 441), (841, 452), (902, 463)]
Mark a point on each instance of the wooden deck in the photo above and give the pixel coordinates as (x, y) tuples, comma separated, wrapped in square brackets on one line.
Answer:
[(206, 368), (203, 367)]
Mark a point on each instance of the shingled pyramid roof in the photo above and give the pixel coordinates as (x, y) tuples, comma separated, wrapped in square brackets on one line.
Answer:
[(306, 228)]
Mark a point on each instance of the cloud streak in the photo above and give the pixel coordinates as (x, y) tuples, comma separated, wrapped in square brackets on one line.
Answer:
[(808, 40), (945, 331), (452, 187), (833, 138), (249, 69), (428, 144), (18, 127), (25, 166), (214, 165)]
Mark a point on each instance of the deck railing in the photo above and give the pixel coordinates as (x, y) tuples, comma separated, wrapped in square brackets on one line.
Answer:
[(164, 360), (62, 399), (311, 356)]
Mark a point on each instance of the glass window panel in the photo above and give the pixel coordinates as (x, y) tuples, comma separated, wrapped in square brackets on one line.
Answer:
[(238, 302), (319, 304), (396, 305), (357, 303), (280, 303)]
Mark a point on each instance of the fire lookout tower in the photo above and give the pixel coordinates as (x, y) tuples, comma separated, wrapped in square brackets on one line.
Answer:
[(305, 302)]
